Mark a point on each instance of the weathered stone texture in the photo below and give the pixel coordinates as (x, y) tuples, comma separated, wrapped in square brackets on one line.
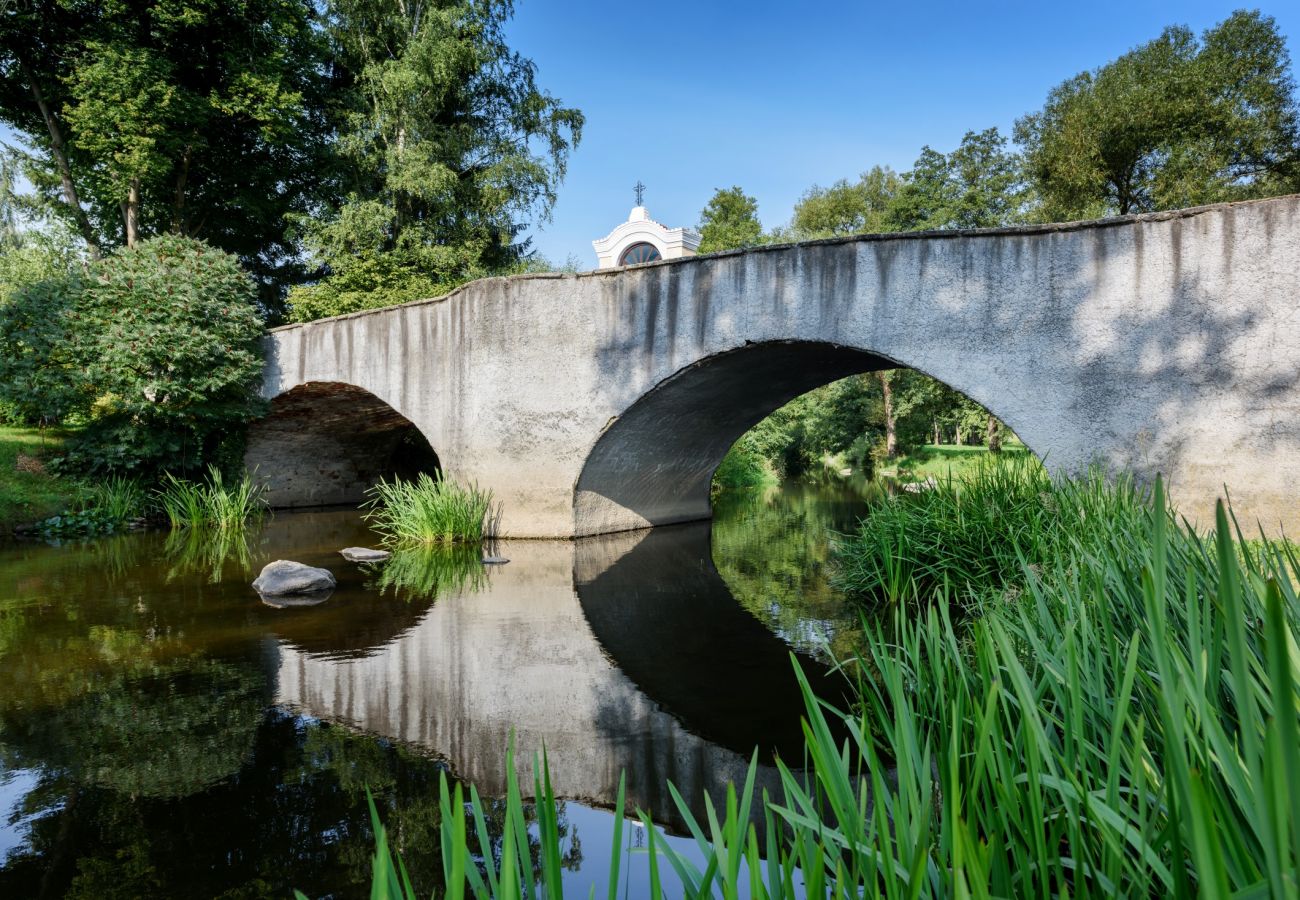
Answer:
[(596, 402)]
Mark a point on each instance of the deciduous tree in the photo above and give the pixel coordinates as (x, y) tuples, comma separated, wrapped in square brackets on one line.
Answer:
[(729, 221)]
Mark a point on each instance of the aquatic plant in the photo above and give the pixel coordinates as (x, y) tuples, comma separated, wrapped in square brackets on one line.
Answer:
[(1130, 723), (970, 537), (211, 504), (743, 467), (430, 511), (104, 508)]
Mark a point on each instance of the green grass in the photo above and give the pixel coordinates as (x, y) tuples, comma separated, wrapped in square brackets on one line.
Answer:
[(26, 497), (212, 504), (430, 511), (1129, 723), (940, 461)]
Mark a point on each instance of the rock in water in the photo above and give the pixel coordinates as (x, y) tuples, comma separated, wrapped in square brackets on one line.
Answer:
[(364, 554), (284, 578), (495, 560)]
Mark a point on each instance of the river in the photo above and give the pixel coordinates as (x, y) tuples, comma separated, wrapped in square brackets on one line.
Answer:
[(165, 732)]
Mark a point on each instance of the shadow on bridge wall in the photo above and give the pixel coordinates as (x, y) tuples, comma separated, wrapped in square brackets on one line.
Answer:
[(325, 443)]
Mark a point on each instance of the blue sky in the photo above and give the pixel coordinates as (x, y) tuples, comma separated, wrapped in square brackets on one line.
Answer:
[(776, 97)]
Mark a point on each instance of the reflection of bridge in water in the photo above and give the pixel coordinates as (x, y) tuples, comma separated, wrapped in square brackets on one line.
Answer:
[(619, 654)]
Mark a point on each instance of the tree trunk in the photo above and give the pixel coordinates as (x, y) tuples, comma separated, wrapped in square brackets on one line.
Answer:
[(959, 436), (60, 155), (937, 436), (178, 199), (891, 433), (131, 213), (994, 436)]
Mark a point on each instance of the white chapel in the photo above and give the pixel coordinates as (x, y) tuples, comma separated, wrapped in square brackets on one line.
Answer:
[(641, 239)]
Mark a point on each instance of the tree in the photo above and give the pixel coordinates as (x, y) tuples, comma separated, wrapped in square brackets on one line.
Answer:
[(729, 221), (1175, 122), (449, 148), (208, 120), (848, 208), (156, 350), (978, 185)]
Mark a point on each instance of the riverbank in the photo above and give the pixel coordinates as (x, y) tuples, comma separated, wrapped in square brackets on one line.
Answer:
[(939, 461), (28, 492)]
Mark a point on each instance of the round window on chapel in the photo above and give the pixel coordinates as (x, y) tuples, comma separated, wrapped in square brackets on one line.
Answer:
[(639, 253)]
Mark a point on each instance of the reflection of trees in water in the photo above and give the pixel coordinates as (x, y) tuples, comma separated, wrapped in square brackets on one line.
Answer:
[(294, 817), (773, 547)]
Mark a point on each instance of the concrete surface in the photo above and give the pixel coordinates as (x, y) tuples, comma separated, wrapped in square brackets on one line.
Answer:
[(603, 401)]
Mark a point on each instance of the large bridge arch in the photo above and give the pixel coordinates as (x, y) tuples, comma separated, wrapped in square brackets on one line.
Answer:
[(654, 463), (1165, 343)]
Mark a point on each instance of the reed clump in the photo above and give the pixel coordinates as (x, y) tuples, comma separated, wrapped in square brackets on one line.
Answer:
[(970, 537), (430, 510), (1128, 724), (212, 504)]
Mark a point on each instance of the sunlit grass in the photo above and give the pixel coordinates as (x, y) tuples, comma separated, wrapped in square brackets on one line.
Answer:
[(430, 511)]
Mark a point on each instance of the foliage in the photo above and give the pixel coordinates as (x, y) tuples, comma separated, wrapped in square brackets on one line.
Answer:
[(1137, 706), (1175, 122), (210, 505), (202, 119), (430, 511), (978, 185), (968, 537), (447, 146), (743, 468), (729, 221), (861, 207), (156, 352)]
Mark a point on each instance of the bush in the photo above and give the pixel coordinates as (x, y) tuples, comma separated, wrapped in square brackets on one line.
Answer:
[(430, 511), (743, 467), (155, 353)]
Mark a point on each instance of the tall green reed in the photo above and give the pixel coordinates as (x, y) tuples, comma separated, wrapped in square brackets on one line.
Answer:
[(431, 511), (1129, 723), (212, 503)]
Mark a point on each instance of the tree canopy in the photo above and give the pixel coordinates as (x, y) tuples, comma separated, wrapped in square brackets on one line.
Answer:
[(1175, 122), (448, 147), (729, 221)]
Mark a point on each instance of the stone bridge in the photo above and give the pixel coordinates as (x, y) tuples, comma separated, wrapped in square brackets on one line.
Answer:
[(599, 402)]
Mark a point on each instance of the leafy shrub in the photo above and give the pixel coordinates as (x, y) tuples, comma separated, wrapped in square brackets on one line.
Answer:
[(743, 467), (155, 353), (430, 511)]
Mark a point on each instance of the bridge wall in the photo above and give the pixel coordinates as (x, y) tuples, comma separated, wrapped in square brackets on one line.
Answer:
[(598, 402)]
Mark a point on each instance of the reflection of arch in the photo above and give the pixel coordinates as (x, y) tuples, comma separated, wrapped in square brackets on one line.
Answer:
[(326, 442), (641, 252), (654, 464), (665, 616)]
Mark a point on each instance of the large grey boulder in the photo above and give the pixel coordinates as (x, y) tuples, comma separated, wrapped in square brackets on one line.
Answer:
[(364, 554), (283, 578)]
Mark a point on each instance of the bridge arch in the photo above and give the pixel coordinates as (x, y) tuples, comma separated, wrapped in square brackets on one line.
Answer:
[(654, 463), (324, 443)]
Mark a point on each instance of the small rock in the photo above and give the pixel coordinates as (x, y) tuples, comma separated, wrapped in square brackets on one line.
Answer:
[(282, 578), (364, 554), (495, 560)]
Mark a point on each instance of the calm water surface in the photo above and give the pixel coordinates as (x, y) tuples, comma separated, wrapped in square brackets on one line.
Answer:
[(164, 732)]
